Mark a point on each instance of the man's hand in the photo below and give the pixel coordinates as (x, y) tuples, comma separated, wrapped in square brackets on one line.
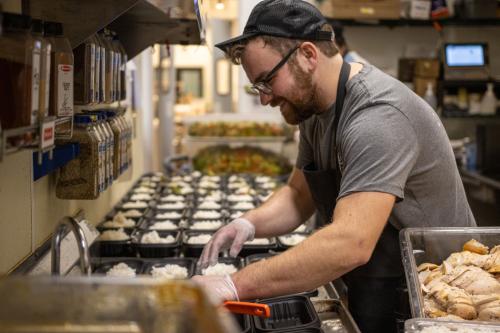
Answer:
[(232, 237), (218, 288)]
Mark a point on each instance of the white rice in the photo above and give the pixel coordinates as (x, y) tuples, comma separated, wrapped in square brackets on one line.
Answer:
[(244, 190), (144, 189), (186, 190), (168, 215), (208, 184), (237, 214), (170, 271), (239, 197), (141, 196), (164, 225), (173, 205), (206, 225), (213, 196), (268, 185), (292, 240), (178, 184), (207, 214), (301, 228), (239, 184), (126, 223), (199, 239), (258, 241), (207, 204), (132, 213), (243, 205), (210, 178), (219, 269), (121, 270), (154, 238), (172, 198), (114, 235), (262, 179), (235, 178), (135, 204), (196, 174), (156, 179)]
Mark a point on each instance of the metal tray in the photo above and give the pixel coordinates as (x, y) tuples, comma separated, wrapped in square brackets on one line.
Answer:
[(416, 325), (419, 245), (334, 317)]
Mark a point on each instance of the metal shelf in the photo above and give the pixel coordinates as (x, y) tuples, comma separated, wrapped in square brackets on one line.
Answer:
[(138, 23)]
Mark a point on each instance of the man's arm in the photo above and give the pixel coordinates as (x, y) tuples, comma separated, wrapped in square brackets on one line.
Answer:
[(285, 210), (347, 243)]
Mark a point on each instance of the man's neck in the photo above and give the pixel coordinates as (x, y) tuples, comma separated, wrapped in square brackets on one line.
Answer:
[(328, 80)]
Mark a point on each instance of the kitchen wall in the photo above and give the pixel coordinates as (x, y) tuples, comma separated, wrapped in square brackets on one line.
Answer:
[(29, 211)]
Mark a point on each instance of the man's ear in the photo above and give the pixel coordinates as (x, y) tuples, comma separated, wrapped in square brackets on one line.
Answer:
[(310, 54)]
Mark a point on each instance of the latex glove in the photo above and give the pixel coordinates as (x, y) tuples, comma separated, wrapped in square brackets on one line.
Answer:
[(219, 288), (231, 236)]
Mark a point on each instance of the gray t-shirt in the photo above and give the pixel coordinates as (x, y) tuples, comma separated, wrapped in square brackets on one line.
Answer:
[(391, 141)]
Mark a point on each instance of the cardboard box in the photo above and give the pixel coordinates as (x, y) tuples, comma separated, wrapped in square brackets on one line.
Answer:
[(366, 9), (420, 85), (427, 68)]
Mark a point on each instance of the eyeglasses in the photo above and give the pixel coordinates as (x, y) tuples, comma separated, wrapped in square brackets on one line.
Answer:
[(264, 86)]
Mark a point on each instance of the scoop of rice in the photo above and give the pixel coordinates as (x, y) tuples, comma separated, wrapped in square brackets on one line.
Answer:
[(209, 205), (207, 214), (243, 205), (144, 189), (268, 185), (208, 184), (132, 213), (168, 215), (135, 204), (199, 239), (239, 197), (119, 221), (219, 269), (262, 179), (154, 238), (141, 196), (173, 205), (237, 214), (121, 270), (165, 225), (172, 198), (258, 241), (114, 235), (186, 190), (206, 225), (239, 184), (210, 179), (170, 271), (292, 239)]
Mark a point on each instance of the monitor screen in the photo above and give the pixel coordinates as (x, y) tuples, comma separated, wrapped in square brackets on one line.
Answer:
[(465, 55)]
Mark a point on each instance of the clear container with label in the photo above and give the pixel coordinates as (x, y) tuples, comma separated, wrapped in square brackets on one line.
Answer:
[(102, 152), (109, 70), (16, 67), (122, 80), (38, 31), (110, 149), (97, 78), (102, 70), (61, 76), (84, 78), (79, 178), (117, 144)]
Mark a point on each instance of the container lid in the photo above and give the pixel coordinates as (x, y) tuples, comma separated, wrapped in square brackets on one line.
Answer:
[(14, 22), (37, 26), (53, 29), (82, 119)]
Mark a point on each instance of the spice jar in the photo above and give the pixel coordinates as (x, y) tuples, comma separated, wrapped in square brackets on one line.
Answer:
[(61, 74), (79, 178), (19, 69), (84, 78), (117, 144)]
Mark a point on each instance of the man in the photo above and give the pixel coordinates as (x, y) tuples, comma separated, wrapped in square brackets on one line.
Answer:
[(373, 158)]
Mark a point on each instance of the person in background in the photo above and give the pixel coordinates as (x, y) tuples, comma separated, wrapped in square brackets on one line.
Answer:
[(341, 43), (373, 158)]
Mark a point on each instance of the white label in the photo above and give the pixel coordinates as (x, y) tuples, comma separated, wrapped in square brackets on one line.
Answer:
[(35, 83), (65, 90), (48, 130)]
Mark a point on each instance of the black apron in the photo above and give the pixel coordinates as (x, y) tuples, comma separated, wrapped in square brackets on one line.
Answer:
[(373, 289)]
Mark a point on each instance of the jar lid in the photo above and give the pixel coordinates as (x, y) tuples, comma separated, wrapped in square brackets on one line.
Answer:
[(15, 22), (53, 28), (82, 119)]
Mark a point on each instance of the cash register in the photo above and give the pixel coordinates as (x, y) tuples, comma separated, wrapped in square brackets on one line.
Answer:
[(465, 61)]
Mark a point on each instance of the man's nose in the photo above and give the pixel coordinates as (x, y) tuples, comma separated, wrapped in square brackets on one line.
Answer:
[(265, 99)]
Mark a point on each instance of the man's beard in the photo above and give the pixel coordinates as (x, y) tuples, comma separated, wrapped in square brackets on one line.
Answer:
[(306, 105)]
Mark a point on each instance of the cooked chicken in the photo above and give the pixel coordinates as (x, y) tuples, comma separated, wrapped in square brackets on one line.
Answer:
[(476, 247)]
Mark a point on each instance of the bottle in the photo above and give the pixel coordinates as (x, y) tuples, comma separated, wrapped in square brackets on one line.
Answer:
[(61, 74), (16, 72), (84, 72), (429, 96), (489, 101), (37, 30)]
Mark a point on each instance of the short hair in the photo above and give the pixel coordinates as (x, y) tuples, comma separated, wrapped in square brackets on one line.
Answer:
[(282, 45)]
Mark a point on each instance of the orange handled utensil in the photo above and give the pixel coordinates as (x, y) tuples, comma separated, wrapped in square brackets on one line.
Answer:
[(254, 309)]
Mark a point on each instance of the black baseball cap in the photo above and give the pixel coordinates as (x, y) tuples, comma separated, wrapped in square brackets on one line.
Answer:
[(283, 18)]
